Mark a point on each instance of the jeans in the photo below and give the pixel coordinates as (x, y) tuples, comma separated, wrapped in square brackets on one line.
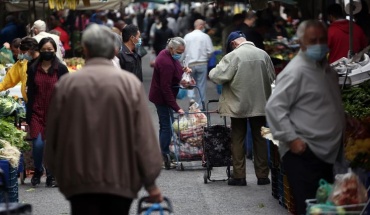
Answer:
[(38, 152), (165, 117), (199, 73)]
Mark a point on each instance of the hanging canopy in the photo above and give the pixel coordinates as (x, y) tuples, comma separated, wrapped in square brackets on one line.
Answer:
[(94, 5)]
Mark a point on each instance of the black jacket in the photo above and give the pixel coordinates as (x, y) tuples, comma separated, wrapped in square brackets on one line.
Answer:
[(60, 68), (161, 37), (253, 36), (131, 62)]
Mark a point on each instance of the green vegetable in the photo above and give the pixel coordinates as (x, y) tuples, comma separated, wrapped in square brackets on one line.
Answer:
[(356, 100), (7, 105), (14, 136)]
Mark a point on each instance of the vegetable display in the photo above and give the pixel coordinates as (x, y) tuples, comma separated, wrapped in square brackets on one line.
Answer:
[(14, 136), (356, 101)]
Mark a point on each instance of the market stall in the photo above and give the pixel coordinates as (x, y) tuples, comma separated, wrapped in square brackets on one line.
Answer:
[(12, 143)]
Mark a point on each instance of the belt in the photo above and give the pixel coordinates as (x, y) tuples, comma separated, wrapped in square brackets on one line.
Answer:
[(198, 63)]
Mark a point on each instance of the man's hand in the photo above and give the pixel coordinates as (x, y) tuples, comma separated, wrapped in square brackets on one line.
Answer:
[(297, 146), (155, 195), (181, 112)]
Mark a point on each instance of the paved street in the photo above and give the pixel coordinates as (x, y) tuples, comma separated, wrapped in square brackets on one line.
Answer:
[(185, 188)]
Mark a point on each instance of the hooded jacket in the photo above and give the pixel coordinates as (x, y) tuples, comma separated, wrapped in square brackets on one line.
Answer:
[(338, 39)]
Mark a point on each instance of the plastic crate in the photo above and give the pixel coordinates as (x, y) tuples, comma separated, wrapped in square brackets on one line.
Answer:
[(274, 156), (329, 209), (275, 182), (281, 190), (11, 177)]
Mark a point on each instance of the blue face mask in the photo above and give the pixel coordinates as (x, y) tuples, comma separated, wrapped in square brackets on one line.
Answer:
[(317, 52), (20, 56), (176, 56), (138, 44)]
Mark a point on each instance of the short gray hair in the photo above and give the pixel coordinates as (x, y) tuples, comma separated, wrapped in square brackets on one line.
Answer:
[(175, 42), (117, 41), (306, 24), (99, 41)]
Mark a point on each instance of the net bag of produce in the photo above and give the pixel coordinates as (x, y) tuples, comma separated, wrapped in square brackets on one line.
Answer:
[(348, 190)]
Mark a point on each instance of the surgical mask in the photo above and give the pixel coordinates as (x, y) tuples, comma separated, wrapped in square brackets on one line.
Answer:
[(317, 52), (138, 44), (27, 57), (20, 56), (176, 56), (47, 55)]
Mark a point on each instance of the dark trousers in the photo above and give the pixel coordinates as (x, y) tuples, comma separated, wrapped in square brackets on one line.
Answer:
[(260, 153), (99, 204), (304, 173)]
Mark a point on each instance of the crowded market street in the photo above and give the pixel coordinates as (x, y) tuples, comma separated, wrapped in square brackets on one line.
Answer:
[(185, 189)]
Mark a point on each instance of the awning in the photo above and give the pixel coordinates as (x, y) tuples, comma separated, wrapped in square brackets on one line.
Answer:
[(94, 5)]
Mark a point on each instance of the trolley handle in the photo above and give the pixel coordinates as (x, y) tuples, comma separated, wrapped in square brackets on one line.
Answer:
[(209, 112), (141, 209)]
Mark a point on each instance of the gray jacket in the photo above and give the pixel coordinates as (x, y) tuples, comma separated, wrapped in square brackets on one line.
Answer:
[(246, 74), (306, 104)]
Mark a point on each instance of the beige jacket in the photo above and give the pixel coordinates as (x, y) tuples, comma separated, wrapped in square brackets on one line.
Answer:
[(56, 39), (246, 74), (99, 134)]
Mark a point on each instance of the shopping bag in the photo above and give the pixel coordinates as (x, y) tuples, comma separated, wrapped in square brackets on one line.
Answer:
[(6, 56), (187, 80), (181, 94)]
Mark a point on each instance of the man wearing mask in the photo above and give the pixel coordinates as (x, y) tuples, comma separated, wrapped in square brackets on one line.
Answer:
[(198, 51), (39, 29), (246, 74), (305, 114), (338, 34), (129, 59)]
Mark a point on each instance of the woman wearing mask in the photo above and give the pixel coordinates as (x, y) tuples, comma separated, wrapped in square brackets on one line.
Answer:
[(43, 74), (167, 74), (18, 72), (129, 58)]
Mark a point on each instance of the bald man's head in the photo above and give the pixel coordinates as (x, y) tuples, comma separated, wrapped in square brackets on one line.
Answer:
[(199, 24)]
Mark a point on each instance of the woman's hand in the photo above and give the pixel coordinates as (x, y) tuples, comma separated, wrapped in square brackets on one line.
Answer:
[(6, 45), (181, 112), (187, 70)]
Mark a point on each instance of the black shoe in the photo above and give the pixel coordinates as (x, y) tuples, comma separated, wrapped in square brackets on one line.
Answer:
[(51, 182), (167, 161), (237, 182), (36, 178), (263, 181)]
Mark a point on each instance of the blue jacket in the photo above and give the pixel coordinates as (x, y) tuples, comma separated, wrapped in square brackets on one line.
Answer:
[(8, 33)]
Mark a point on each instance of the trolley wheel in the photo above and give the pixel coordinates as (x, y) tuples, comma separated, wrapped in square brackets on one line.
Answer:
[(167, 162), (205, 177), (180, 167), (22, 177)]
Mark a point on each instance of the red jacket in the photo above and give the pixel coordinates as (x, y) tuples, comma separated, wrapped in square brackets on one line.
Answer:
[(167, 74), (338, 39)]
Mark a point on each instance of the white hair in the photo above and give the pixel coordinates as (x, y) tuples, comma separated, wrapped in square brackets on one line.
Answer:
[(175, 42), (117, 41), (99, 41), (301, 30)]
